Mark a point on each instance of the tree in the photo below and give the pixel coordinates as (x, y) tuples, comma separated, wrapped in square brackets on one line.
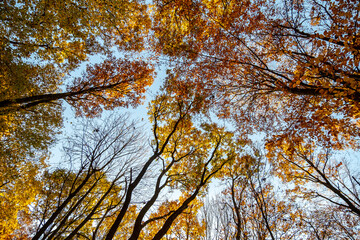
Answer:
[(96, 198), (189, 157), (40, 44), (113, 83), (29, 123), (59, 41), (254, 208), (289, 68), (75, 202), (251, 207), (186, 226), (330, 224), (69, 204), (307, 165)]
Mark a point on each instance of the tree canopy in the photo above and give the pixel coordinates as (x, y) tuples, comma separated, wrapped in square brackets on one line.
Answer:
[(260, 103), (295, 62)]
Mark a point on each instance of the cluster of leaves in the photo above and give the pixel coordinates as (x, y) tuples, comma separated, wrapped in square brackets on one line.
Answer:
[(16, 196)]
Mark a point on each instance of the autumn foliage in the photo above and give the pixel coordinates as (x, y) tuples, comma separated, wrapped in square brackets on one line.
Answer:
[(260, 104), (295, 62)]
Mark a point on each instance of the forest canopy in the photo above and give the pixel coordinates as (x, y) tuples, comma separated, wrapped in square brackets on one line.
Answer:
[(253, 134)]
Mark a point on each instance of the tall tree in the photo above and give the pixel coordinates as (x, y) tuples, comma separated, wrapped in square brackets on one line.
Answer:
[(251, 207), (41, 43), (288, 68), (257, 210), (75, 202), (29, 123), (109, 193), (188, 157)]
